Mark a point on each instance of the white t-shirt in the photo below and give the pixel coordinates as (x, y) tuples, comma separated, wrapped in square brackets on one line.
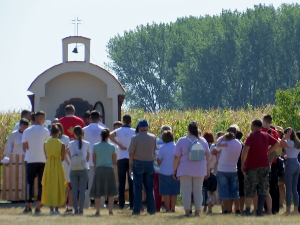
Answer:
[(229, 156), (17, 126), (92, 135), (36, 136), (291, 151), (102, 125), (124, 135), (65, 140), (74, 149)]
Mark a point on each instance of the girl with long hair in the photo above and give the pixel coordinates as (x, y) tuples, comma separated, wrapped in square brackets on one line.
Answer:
[(291, 144)]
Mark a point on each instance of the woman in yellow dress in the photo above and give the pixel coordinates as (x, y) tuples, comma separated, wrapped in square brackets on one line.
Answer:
[(54, 180)]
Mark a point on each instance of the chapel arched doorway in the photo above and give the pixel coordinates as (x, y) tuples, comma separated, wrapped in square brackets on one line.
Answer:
[(99, 107), (80, 105)]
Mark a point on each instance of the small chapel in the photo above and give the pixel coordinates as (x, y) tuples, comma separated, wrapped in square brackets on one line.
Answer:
[(85, 85)]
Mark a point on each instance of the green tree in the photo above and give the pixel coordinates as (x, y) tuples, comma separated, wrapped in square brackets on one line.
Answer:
[(141, 59), (286, 113), (227, 60)]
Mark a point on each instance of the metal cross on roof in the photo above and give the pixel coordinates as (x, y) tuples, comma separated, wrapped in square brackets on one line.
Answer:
[(76, 21)]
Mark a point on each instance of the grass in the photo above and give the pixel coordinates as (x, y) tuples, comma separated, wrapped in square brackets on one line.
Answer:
[(13, 215)]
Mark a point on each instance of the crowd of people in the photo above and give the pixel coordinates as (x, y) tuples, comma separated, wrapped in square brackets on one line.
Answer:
[(76, 161)]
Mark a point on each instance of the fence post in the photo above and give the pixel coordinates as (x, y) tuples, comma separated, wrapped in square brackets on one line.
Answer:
[(4, 182), (23, 178), (17, 194), (10, 175)]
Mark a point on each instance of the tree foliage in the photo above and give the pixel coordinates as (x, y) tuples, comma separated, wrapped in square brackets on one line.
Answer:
[(286, 113), (229, 60)]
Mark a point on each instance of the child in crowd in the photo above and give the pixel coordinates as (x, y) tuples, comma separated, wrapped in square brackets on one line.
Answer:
[(226, 137), (54, 181)]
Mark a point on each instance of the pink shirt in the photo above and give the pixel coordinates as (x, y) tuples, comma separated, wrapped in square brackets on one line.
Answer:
[(187, 167)]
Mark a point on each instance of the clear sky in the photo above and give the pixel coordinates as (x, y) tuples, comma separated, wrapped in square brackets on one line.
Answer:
[(31, 32)]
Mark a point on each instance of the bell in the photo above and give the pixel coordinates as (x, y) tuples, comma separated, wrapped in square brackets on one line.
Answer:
[(75, 50)]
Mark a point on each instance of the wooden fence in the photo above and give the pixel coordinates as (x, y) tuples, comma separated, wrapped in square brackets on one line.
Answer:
[(12, 179)]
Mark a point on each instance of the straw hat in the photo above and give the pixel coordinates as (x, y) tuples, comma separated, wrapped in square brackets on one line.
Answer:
[(278, 128)]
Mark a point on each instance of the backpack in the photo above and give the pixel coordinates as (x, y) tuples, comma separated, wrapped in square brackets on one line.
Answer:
[(196, 151), (77, 162)]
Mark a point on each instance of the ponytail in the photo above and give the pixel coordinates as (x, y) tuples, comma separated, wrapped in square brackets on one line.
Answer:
[(105, 134), (79, 133), (79, 142)]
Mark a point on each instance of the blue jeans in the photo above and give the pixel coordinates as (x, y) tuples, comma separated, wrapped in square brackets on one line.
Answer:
[(228, 185), (291, 176), (143, 173), (81, 177)]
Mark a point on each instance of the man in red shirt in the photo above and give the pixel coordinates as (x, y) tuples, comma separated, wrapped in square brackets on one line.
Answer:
[(256, 166), (70, 121)]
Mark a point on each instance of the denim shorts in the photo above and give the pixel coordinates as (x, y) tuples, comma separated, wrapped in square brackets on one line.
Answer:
[(168, 185), (228, 185)]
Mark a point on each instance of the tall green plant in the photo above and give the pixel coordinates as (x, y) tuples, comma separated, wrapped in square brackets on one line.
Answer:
[(286, 112)]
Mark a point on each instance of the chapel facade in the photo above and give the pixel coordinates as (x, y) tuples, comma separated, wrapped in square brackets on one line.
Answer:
[(80, 83)]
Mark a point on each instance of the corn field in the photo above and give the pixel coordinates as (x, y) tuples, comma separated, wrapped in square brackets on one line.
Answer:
[(208, 120), (7, 122)]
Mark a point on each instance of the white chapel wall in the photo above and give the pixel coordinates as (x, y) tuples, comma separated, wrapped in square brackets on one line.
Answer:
[(76, 85)]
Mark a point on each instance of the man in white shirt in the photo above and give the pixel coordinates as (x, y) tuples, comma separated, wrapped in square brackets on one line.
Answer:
[(101, 124), (14, 141), (33, 141), (14, 146), (124, 136), (92, 135), (25, 114)]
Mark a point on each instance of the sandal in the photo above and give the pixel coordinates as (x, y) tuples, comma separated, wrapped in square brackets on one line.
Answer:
[(97, 214), (111, 213)]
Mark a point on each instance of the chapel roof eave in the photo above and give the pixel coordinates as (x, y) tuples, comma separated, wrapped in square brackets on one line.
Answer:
[(76, 37), (61, 64)]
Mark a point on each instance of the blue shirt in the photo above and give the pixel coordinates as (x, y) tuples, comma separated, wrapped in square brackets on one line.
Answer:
[(104, 152), (159, 143), (166, 155)]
